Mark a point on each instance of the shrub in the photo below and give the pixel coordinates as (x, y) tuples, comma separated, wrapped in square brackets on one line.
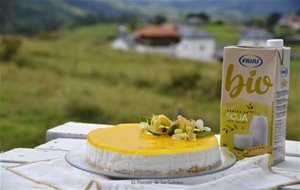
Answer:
[(193, 85), (181, 83), (9, 47), (206, 89), (85, 111), (281, 32), (22, 61), (45, 35), (186, 81), (142, 83)]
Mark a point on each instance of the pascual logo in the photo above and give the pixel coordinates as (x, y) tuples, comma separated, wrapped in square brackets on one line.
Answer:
[(250, 61), (284, 72)]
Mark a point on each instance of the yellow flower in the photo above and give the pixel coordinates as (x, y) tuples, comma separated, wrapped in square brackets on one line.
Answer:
[(158, 120), (191, 136), (193, 123), (189, 129), (177, 131), (164, 120), (182, 122)]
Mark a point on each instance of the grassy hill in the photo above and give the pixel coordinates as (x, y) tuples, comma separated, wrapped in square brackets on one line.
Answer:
[(74, 75), (32, 16)]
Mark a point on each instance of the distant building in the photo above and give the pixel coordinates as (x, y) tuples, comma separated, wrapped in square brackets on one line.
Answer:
[(254, 37), (159, 39), (180, 40), (291, 21), (195, 44), (123, 41), (194, 20)]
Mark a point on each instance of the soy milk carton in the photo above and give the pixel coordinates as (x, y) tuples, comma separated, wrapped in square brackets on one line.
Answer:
[(255, 86)]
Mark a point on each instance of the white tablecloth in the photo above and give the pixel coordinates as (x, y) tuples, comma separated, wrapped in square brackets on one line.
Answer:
[(250, 173)]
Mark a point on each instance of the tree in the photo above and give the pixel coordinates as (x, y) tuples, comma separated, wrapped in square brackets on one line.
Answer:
[(9, 47), (133, 23), (255, 23), (201, 15), (6, 14), (158, 19), (204, 16), (272, 19)]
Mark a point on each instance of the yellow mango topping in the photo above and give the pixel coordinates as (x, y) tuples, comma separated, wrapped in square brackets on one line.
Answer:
[(130, 139)]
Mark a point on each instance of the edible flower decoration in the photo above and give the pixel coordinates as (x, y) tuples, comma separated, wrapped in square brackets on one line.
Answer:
[(180, 129)]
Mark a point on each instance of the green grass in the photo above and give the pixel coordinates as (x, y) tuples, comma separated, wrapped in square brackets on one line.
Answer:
[(227, 34), (76, 76), (293, 121)]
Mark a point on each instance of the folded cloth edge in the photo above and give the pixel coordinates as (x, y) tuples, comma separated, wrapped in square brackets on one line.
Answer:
[(11, 169)]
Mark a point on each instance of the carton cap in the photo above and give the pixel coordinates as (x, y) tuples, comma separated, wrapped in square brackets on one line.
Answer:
[(275, 43)]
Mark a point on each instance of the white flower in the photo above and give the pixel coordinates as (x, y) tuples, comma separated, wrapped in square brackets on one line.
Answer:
[(199, 123), (206, 129)]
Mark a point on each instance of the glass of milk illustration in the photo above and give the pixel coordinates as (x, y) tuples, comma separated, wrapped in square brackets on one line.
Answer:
[(259, 130), (242, 142)]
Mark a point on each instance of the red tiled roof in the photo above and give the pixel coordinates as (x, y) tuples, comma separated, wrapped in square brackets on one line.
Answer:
[(157, 31)]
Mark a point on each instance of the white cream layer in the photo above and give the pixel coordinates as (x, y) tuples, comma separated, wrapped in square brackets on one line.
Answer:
[(163, 163)]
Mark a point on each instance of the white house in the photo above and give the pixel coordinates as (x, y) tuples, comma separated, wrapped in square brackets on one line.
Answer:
[(123, 41), (120, 43), (181, 41), (291, 21), (254, 37), (166, 50), (195, 44), (157, 39)]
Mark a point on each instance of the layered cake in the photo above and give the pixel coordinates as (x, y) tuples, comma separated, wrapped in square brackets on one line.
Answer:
[(134, 149)]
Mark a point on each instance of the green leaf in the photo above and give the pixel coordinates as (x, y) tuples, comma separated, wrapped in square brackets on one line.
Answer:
[(172, 129), (145, 119), (204, 133), (156, 133)]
